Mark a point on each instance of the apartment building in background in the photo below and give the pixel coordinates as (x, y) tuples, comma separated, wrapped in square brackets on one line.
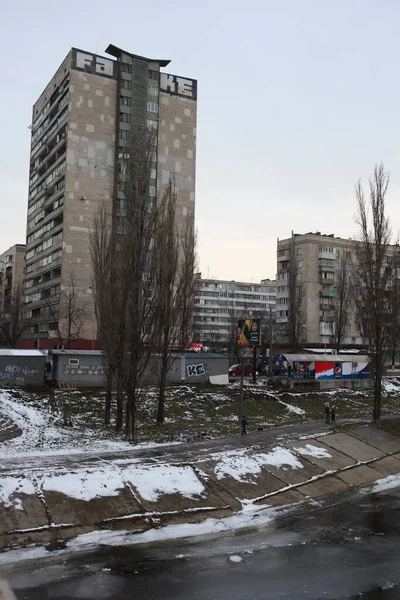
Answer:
[(219, 304), (12, 263), (318, 258), (82, 124)]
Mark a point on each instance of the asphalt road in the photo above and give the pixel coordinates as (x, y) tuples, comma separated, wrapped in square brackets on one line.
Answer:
[(350, 549)]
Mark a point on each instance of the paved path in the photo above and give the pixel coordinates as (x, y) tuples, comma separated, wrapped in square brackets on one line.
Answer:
[(184, 451)]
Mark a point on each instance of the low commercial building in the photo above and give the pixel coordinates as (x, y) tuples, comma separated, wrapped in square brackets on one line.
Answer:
[(85, 368), (219, 304), (22, 367)]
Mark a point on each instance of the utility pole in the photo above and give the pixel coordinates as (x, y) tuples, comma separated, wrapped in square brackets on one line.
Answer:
[(241, 403), (271, 343)]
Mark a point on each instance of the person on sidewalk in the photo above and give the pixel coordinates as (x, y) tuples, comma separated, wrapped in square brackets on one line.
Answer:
[(327, 413), (244, 425), (333, 414)]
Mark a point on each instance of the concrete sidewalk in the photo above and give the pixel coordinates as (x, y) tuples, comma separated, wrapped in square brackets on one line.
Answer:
[(181, 451), (54, 499)]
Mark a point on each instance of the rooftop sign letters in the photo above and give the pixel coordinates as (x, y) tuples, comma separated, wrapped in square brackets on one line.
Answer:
[(178, 86)]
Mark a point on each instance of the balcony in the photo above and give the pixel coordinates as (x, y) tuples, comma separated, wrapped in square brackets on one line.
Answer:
[(327, 319), (50, 170), (323, 306), (327, 281), (281, 319), (325, 294), (284, 257)]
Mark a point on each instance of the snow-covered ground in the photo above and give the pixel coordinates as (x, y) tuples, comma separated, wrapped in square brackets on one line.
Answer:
[(43, 431), (207, 409)]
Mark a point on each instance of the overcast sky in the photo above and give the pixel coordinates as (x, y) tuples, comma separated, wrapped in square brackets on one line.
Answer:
[(297, 100)]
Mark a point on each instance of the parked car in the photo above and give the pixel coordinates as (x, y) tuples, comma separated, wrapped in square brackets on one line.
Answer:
[(236, 370)]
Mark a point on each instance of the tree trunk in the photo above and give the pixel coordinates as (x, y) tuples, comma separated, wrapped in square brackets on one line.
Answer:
[(120, 407), (377, 393), (107, 412), (161, 392), (130, 414), (394, 354), (163, 381)]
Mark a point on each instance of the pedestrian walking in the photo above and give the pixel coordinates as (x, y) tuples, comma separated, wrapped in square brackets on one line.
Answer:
[(244, 425), (327, 413), (333, 414)]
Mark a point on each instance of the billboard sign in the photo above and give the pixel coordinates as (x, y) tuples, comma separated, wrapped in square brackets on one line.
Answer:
[(338, 370), (249, 332)]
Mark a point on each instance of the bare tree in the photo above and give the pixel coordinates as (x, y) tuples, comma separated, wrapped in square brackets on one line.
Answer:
[(188, 282), (175, 286), (68, 313), (395, 309), (167, 246), (109, 297), (138, 230), (296, 294), (374, 275), (12, 323), (341, 304)]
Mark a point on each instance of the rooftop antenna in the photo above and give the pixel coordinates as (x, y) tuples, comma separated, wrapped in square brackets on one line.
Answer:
[(208, 272)]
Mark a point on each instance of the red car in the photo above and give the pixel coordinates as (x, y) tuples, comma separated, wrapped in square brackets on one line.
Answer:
[(236, 370)]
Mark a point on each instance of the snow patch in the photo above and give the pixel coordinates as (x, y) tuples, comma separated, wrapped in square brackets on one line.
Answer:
[(391, 386), (387, 483), (315, 451), (9, 486), (292, 408), (152, 482), (240, 465), (85, 485), (235, 559)]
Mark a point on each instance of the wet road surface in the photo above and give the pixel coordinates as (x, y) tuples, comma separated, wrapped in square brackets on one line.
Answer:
[(347, 550)]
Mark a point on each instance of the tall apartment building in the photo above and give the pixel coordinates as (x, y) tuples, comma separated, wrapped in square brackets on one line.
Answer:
[(219, 304), (12, 263), (318, 259), (81, 126)]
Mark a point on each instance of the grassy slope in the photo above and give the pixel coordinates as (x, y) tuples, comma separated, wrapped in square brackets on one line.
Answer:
[(207, 408)]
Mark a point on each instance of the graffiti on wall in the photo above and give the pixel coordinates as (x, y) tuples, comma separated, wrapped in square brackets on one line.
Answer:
[(91, 370), (196, 370), (14, 372)]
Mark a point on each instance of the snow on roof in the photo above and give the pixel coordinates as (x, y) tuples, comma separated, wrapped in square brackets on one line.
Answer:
[(330, 351), (78, 352), (327, 358), (22, 352)]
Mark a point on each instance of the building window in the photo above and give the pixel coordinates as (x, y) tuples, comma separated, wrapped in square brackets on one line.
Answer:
[(124, 134), (153, 75), (125, 117), (281, 252), (153, 156), (126, 84), (126, 68), (299, 251), (153, 174), (152, 90), (152, 190), (120, 186), (151, 124), (126, 101), (152, 107)]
